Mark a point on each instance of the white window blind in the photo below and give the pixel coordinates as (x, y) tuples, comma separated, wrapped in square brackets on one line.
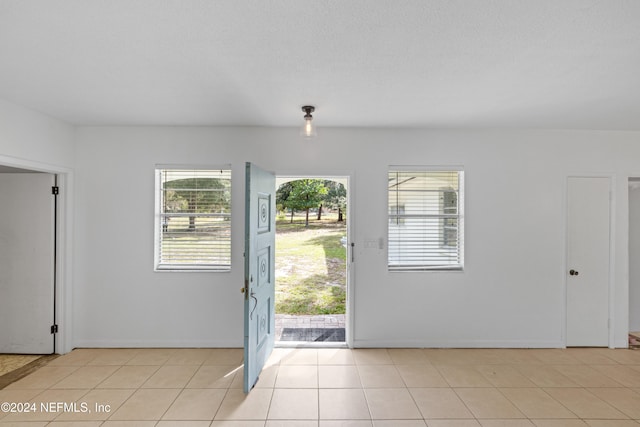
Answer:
[(425, 219), (193, 229)]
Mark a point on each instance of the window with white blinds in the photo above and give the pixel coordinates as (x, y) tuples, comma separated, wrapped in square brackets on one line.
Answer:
[(193, 219), (425, 219)]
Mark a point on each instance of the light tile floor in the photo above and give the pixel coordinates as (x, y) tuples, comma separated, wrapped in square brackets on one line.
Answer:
[(331, 387)]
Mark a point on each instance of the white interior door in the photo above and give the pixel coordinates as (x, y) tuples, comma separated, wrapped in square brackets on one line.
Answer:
[(588, 261), (26, 263), (634, 255), (259, 277)]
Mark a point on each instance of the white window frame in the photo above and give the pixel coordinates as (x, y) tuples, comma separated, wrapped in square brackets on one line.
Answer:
[(161, 216), (393, 263)]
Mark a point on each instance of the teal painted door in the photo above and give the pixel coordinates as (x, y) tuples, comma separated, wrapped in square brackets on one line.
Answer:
[(259, 276)]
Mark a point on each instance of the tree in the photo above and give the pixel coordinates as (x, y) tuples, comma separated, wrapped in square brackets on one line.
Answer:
[(305, 194), (336, 197), (282, 195), (196, 195)]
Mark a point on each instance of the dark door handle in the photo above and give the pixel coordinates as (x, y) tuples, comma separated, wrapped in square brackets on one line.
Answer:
[(573, 272), (253, 295)]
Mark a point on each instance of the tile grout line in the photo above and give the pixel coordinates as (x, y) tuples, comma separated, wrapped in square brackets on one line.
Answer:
[(181, 389)]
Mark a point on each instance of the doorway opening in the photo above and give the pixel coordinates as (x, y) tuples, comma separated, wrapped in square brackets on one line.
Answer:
[(28, 260), (312, 261)]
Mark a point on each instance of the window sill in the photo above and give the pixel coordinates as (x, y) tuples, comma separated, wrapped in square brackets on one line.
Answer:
[(459, 269), (191, 269)]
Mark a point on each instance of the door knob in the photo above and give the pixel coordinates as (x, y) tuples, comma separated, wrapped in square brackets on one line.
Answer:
[(573, 272)]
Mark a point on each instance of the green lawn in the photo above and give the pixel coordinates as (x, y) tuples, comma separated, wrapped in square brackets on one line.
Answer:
[(310, 266)]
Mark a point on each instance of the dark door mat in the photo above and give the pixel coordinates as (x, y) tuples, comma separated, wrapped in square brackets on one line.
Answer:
[(313, 334)]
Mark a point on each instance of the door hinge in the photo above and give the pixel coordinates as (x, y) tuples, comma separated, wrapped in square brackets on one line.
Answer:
[(55, 190), (54, 329)]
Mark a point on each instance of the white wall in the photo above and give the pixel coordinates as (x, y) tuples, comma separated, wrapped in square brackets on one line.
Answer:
[(29, 138), (634, 255), (511, 292)]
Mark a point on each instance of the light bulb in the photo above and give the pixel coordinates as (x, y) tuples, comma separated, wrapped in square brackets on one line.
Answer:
[(308, 129)]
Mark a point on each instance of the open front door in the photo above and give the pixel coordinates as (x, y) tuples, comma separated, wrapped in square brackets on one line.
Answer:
[(259, 276)]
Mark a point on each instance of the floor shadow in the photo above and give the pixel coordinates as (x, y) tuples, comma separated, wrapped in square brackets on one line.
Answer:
[(25, 370)]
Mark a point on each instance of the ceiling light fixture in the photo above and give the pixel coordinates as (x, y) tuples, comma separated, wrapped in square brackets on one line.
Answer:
[(308, 129)]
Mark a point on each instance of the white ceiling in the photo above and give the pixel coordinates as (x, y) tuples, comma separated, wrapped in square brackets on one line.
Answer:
[(389, 63)]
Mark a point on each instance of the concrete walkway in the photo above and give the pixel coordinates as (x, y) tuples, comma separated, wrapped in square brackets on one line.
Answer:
[(314, 321)]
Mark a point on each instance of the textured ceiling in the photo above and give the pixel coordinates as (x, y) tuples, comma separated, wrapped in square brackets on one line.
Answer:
[(392, 63)]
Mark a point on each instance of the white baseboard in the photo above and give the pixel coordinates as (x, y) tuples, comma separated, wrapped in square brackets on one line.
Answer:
[(157, 344), (455, 344)]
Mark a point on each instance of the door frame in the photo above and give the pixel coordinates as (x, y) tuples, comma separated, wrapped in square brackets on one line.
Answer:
[(612, 228), (64, 250), (351, 256)]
